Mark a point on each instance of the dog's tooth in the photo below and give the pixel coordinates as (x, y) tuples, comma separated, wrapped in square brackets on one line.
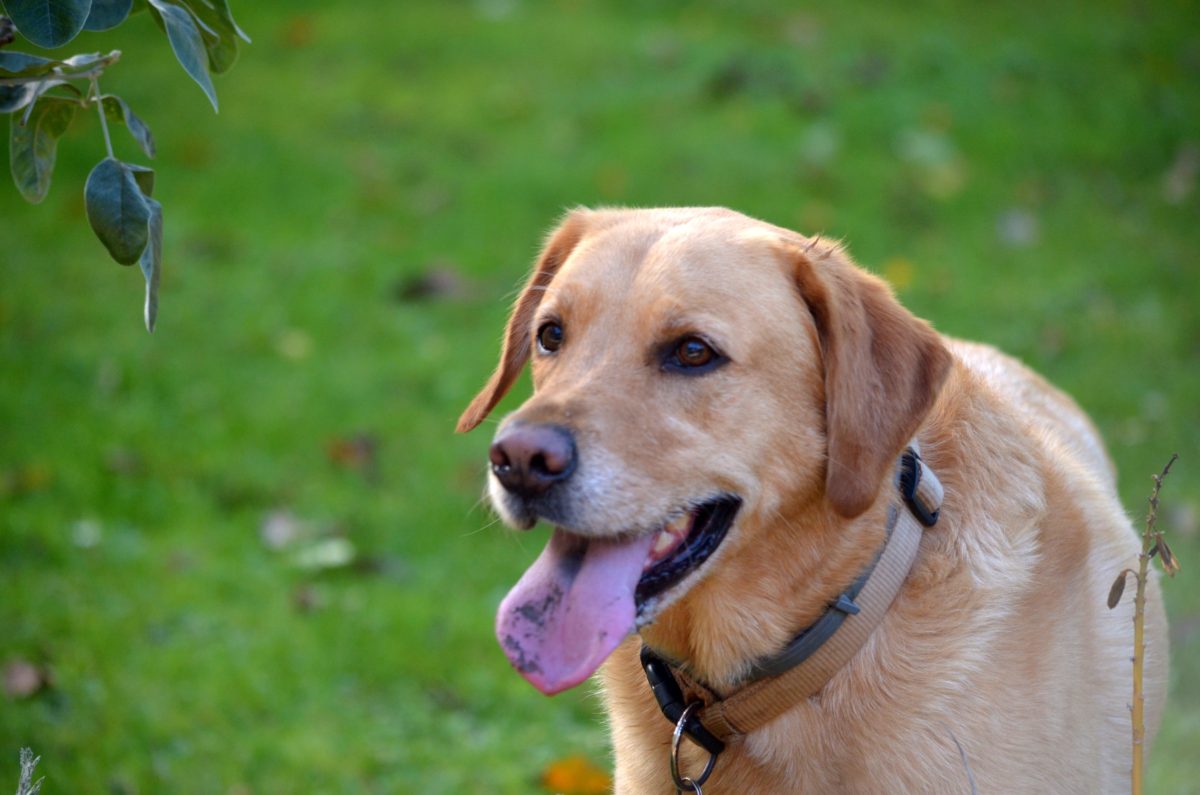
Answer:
[(679, 525), (666, 539)]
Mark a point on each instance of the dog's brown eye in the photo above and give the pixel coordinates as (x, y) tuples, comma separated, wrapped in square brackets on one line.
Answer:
[(694, 352), (550, 337)]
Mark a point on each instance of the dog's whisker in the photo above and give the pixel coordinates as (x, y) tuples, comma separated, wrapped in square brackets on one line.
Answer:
[(477, 531)]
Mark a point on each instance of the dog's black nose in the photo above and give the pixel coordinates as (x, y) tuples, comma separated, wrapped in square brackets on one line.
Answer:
[(528, 459)]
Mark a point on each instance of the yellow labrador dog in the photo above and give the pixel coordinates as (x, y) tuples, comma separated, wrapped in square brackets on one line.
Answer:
[(813, 545)]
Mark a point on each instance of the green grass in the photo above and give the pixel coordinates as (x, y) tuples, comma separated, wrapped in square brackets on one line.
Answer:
[(358, 145)]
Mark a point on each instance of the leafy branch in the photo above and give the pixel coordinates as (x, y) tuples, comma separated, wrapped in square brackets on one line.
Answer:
[(42, 95), (1153, 544)]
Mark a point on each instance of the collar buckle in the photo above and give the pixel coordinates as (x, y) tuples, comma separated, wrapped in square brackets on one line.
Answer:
[(669, 696), (845, 604), (917, 491)]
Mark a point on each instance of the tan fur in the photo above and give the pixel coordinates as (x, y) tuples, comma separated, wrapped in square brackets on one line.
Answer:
[(998, 661)]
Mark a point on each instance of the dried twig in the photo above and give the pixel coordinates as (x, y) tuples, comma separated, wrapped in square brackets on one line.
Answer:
[(1153, 544), (26, 785)]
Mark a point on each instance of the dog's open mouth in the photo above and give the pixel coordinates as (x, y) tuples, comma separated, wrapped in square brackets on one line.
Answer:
[(682, 545), (582, 596)]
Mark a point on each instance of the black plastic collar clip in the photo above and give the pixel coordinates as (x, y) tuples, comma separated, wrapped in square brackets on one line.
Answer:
[(670, 700), (910, 478)]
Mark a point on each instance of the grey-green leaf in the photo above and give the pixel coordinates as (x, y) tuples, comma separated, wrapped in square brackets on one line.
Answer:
[(20, 64), (107, 14), (49, 23), (222, 7), (13, 98), (116, 109), (89, 61), (117, 210), (144, 177), (41, 87), (222, 52), (188, 45), (220, 37), (151, 262), (219, 31), (157, 17), (32, 145)]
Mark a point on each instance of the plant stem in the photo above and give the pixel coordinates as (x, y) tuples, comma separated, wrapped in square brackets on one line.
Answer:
[(103, 119), (66, 71), (1149, 541), (21, 81), (1139, 652)]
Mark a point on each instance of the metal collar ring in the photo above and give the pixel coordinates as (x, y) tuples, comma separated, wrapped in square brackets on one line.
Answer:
[(686, 783)]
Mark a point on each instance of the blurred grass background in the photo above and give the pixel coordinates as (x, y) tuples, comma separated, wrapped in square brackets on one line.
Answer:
[(247, 554)]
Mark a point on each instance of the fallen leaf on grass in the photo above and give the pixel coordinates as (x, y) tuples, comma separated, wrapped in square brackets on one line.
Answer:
[(312, 548), (899, 271), (179, 561), (820, 144), (446, 698), (816, 217), (25, 480), (576, 775), (936, 166), (871, 69), (122, 461), (87, 533), (1017, 228), (280, 528), (294, 344), (441, 280), (359, 452), (1180, 178), (495, 10), (803, 30), (299, 32), (23, 679), (307, 598), (611, 180), (328, 553)]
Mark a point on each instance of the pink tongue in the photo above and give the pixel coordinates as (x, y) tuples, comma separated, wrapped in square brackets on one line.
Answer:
[(571, 608)]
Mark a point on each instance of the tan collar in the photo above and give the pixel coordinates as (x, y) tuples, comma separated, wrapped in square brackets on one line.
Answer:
[(820, 651)]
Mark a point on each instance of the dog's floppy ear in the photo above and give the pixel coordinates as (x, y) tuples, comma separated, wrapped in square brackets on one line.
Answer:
[(515, 349), (883, 370)]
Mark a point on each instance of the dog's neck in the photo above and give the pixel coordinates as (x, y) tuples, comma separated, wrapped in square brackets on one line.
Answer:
[(721, 641), (826, 555), (801, 668)]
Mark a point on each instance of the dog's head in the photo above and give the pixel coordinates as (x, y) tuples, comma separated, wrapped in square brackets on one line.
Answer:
[(697, 374)]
